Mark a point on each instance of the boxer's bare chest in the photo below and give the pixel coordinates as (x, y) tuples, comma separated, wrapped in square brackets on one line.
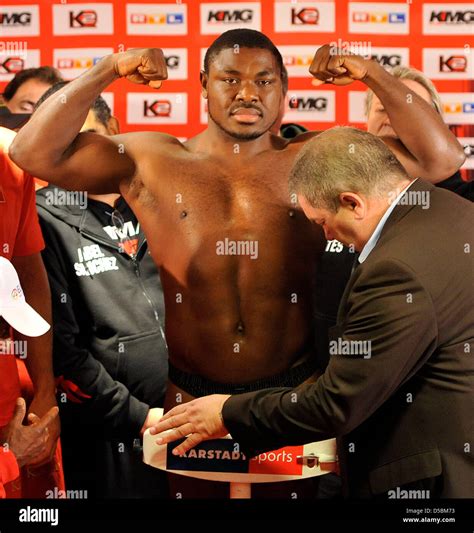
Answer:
[(194, 201)]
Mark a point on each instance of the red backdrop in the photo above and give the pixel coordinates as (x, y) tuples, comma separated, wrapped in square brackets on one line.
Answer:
[(88, 26)]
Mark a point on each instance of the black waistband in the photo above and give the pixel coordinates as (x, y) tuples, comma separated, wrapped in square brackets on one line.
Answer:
[(198, 386)]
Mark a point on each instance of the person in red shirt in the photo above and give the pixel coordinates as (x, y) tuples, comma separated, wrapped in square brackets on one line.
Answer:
[(21, 242)]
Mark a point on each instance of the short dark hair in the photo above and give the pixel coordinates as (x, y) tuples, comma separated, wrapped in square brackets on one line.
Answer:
[(100, 107), (242, 38), (45, 74)]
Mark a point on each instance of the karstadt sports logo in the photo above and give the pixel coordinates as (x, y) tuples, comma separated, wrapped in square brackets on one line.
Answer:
[(157, 108)]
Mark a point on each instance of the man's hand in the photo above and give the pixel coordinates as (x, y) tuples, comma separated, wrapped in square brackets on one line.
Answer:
[(39, 408), (338, 67), (199, 420), (28, 442), (152, 418), (146, 66)]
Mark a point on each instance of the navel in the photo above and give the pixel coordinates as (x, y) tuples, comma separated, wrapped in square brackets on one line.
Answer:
[(183, 214)]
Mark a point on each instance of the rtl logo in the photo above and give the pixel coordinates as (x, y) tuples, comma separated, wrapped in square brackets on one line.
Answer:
[(225, 15), (157, 108), (305, 15), (453, 64), (83, 19)]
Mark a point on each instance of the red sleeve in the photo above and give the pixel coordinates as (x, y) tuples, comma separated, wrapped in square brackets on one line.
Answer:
[(8, 469), (29, 239)]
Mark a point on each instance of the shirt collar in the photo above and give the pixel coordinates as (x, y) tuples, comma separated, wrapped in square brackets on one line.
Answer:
[(370, 244)]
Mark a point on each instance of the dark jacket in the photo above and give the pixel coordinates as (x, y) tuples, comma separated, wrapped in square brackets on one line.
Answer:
[(108, 312), (404, 413)]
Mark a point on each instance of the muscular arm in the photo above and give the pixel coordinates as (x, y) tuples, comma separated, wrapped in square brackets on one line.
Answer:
[(426, 147), (51, 147)]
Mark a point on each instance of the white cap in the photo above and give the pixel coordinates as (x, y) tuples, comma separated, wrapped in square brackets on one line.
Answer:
[(13, 307)]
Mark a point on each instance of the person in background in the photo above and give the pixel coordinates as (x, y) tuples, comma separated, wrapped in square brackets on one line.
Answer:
[(110, 355), (19, 445), (337, 260), (25, 89), (378, 121), (21, 242)]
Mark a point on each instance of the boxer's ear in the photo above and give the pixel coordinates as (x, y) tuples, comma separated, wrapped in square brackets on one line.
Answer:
[(204, 79), (113, 126)]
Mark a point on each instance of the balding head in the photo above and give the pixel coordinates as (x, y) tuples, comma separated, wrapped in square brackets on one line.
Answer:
[(345, 179), (344, 159)]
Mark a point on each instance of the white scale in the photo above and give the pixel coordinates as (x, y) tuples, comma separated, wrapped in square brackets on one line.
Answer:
[(221, 460)]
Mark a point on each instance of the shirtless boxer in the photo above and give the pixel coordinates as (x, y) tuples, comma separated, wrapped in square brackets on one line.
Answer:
[(234, 323)]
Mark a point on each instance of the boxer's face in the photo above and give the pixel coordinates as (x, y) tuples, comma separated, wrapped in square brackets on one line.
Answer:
[(378, 122), (244, 91)]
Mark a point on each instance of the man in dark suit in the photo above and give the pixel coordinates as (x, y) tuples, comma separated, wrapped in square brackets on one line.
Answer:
[(398, 390)]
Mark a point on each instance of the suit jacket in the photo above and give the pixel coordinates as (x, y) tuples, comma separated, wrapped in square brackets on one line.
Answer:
[(402, 409)]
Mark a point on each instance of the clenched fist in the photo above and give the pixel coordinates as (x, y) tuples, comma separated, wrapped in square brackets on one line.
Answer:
[(331, 65), (146, 66)]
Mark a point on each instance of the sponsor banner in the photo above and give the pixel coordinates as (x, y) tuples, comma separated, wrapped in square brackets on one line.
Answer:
[(305, 17), (157, 19), (468, 144), (72, 62), (19, 20), (390, 57), (83, 19), (384, 18), (222, 460), (448, 19), (449, 63), (177, 63), (297, 59), (218, 18), (11, 63), (310, 106), (357, 106), (458, 108), (109, 98), (157, 108)]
